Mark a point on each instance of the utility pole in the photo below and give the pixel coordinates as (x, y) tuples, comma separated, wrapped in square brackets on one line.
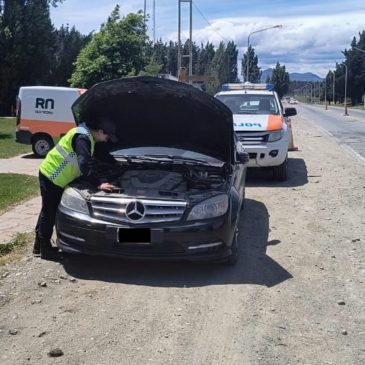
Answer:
[(144, 14), (190, 55), (333, 87)]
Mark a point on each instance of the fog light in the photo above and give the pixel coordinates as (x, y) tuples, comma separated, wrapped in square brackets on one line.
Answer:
[(274, 153), (206, 245)]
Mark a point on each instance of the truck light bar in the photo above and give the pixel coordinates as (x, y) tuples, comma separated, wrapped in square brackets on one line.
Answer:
[(247, 86)]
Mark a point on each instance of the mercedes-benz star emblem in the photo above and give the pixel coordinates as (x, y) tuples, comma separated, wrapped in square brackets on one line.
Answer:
[(135, 211)]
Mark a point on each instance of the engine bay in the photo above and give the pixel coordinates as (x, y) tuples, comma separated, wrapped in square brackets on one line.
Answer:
[(151, 181)]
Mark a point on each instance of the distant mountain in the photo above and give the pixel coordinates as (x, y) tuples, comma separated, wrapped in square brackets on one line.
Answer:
[(307, 76), (294, 76), (265, 74)]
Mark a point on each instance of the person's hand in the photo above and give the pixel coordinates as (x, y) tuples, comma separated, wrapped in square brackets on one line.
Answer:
[(106, 187)]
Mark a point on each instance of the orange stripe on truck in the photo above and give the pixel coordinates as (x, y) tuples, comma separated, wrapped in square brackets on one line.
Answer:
[(275, 122), (54, 129)]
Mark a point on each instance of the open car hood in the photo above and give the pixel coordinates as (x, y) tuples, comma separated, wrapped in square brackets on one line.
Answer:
[(149, 111)]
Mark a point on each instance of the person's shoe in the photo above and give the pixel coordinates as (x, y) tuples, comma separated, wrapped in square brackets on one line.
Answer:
[(48, 252), (37, 246)]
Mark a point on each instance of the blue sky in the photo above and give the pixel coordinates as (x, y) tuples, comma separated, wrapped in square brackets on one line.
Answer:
[(311, 40)]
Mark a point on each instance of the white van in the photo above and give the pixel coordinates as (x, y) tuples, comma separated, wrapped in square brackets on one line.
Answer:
[(44, 113)]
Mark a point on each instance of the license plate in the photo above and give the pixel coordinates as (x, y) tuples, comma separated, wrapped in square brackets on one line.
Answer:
[(139, 236)]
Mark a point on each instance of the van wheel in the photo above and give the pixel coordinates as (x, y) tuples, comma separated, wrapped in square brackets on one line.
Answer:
[(280, 173), (41, 145)]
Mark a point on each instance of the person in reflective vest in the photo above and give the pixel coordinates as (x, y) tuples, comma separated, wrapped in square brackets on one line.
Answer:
[(67, 161)]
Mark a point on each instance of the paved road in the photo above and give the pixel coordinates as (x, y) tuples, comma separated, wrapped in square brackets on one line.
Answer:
[(349, 131)]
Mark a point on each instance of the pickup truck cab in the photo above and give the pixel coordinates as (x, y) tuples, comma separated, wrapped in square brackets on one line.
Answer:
[(260, 123)]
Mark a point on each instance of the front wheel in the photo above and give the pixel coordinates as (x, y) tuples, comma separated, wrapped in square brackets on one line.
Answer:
[(280, 173), (233, 257), (41, 145)]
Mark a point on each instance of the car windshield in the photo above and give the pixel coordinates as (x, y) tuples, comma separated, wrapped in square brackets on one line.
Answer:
[(250, 103), (166, 154)]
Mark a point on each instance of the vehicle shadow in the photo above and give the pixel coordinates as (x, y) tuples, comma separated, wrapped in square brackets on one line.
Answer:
[(31, 156), (297, 175), (253, 267)]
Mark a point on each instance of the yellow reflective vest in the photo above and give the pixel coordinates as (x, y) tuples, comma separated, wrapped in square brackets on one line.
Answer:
[(61, 165)]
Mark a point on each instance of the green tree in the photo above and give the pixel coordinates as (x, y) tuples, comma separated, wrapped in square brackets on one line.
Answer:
[(205, 58), (26, 36), (67, 46), (159, 56), (218, 69), (254, 72), (232, 54), (355, 61), (171, 58), (115, 51), (280, 79), (153, 68)]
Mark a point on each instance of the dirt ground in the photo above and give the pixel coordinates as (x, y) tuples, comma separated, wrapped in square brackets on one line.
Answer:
[(295, 297)]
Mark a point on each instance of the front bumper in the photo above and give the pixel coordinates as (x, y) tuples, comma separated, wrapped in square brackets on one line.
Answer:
[(210, 240), (269, 154)]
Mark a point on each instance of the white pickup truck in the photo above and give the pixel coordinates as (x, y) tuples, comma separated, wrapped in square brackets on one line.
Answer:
[(260, 124)]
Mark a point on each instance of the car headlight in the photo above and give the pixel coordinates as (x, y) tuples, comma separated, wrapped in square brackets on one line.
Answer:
[(276, 135), (71, 199), (210, 208)]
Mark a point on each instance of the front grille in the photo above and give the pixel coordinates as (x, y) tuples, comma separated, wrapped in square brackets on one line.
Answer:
[(155, 211), (252, 138)]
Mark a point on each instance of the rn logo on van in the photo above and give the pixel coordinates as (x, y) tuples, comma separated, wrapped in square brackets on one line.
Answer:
[(44, 103)]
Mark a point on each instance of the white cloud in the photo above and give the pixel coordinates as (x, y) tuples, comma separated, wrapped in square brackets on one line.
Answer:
[(311, 41), (307, 43)]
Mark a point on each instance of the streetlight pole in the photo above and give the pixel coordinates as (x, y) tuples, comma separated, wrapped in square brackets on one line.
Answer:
[(325, 93), (333, 86), (248, 46), (359, 49), (345, 101)]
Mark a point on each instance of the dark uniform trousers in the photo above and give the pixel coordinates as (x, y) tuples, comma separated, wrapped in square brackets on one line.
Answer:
[(51, 197)]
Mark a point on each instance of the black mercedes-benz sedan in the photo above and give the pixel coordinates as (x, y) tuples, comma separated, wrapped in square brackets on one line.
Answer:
[(180, 177)]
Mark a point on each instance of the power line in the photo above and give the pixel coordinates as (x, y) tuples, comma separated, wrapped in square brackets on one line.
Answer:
[(208, 22)]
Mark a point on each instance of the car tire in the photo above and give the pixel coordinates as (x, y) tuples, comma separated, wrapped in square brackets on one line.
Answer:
[(243, 201), (233, 256), (41, 145), (280, 173)]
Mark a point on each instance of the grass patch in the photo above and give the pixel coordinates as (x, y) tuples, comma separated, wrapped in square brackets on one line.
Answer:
[(8, 146), (16, 248), (15, 188)]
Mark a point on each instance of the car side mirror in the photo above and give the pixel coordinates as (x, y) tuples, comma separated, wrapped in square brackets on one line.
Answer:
[(242, 157), (289, 112)]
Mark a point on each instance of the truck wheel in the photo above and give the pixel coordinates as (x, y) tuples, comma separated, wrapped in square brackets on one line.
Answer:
[(280, 173), (41, 145)]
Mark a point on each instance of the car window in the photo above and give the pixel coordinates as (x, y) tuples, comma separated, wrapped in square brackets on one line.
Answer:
[(250, 103)]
